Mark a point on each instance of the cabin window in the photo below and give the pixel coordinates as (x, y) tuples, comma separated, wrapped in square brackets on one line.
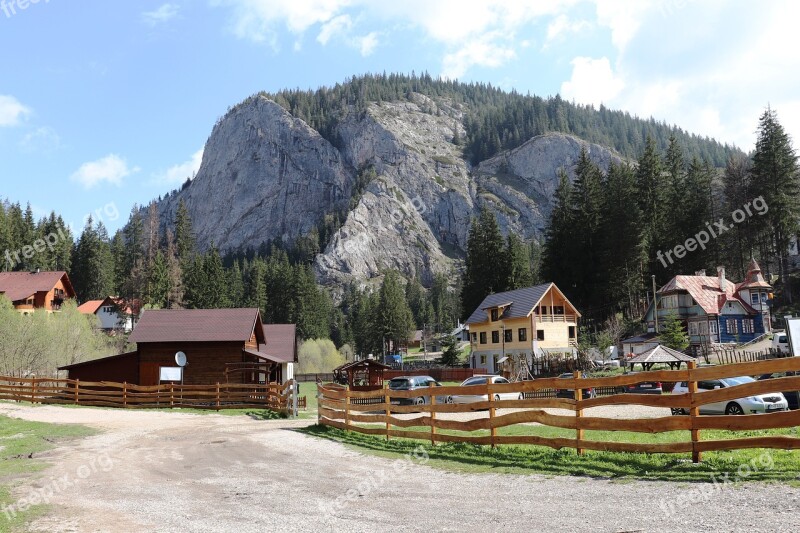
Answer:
[(732, 327), (753, 297), (474, 337), (495, 337), (483, 337), (508, 335), (558, 309), (544, 309), (539, 334), (764, 296), (669, 302), (522, 334), (483, 359), (747, 325), (692, 328), (712, 327), (494, 315), (572, 332)]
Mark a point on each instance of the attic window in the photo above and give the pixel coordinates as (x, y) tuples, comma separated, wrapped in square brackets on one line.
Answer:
[(494, 313)]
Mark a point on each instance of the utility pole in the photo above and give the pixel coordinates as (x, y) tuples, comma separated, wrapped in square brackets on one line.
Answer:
[(655, 302)]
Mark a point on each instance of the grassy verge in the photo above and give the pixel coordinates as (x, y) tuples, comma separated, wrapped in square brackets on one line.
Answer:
[(20, 441), (761, 465)]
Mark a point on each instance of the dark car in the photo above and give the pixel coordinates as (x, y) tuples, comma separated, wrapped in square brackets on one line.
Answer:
[(793, 397), (643, 387), (420, 383), (570, 393)]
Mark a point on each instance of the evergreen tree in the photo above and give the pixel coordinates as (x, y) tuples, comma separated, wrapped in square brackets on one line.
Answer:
[(255, 286), (517, 260), (673, 335), (184, 234), (93, 271), (483, 275), (559, 254), (652, 204), (587, 203), (396, 320)]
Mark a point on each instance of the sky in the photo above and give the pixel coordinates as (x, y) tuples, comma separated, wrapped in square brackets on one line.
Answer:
[(104, 105)]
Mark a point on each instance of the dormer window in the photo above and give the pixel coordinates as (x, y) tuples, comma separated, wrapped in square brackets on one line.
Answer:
[(754, 297), (494, 314)]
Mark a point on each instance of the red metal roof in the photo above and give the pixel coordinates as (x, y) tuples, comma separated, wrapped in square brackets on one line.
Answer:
[(196, 325), (20, 285), (706, 292), (281, 341), (91, 307)]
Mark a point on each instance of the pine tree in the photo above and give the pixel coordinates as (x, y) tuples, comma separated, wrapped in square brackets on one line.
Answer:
[(396, 320), (484, 274), (175, 294), (652, 203), (587, 213), (516, 257), (255, 286), (673, 335), (93, 272), (559, 253), (184, 234)]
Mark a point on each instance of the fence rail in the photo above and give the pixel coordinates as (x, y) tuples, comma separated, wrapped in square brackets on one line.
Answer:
[(351, 410), (110, 394)]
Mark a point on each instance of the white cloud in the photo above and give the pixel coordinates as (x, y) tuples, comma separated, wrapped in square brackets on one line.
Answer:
[(335, 26), (368, 43), (624, 18), (44, 140), (177, 174), (11, 110), (592, 82), (111, 169), (562, 25), (485, 52), (163, 14)]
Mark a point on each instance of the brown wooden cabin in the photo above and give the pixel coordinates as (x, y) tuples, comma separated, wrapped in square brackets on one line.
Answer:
[(29, 291), (221, 346), (364, 375)]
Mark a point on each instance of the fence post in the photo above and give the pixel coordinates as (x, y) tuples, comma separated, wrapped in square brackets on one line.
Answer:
[(77, 391), (387, 404), (125, 394), (347, 409), (171, 395), (492, 429), (578, 412), (217, 397), (433, 414), (33, 392), (694, 411)]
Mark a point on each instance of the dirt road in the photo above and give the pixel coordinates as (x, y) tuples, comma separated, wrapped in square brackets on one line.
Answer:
[(164, 471)]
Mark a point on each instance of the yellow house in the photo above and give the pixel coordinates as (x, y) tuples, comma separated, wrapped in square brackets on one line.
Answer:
[(523, 321)]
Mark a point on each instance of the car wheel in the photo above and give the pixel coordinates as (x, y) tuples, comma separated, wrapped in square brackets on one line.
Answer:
[(497, 397), (521, 396), (449, 399), (676, 411), (419, 401), (734, 409)]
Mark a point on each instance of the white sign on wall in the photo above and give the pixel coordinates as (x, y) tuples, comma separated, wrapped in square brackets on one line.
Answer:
[(170, 373)]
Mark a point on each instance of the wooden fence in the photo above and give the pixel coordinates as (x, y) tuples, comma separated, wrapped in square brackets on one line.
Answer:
[(356, 411), (109, 394)]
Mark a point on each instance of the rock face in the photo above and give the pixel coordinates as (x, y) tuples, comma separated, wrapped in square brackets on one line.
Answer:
[(267, 175)]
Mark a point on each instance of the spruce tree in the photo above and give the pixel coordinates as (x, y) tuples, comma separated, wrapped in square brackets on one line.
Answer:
[(484, 274), (396, 320), (558, 255)]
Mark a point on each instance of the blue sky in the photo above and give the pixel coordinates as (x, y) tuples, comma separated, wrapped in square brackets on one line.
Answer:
[(107, 104)]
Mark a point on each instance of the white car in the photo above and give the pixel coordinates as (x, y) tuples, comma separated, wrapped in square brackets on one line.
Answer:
[(480, 380), (780, 342), (762, 403)]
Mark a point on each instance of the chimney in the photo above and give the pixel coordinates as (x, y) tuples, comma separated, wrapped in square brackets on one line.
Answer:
[(700, 272), (721, 276)]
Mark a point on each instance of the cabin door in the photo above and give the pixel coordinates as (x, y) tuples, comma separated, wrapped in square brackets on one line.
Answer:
[(149, 373)]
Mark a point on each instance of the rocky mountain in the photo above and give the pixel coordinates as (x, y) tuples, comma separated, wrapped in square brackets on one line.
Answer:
[(394, 172)]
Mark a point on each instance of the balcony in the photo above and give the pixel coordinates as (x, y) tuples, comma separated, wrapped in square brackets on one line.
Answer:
[(555, 318)]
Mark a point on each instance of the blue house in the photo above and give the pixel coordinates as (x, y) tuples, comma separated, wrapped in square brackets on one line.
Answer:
[(714, 309)]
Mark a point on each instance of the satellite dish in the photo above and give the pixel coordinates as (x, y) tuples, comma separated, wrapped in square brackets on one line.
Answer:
[(180, 359)]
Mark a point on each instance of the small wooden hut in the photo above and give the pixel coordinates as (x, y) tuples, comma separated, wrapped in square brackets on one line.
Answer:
[(662, 355), (364, 375)]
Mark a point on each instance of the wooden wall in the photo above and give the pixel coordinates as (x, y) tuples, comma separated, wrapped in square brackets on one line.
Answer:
[(206, 361), (122, 369)]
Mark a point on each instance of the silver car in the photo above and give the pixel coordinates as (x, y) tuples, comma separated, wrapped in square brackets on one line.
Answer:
[(761, 403), (482, 380)]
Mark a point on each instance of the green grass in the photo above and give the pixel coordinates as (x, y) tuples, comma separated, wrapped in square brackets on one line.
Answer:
[(770, 465), (20, 442)]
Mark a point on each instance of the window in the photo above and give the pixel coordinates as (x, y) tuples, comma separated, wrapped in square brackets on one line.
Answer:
[(753, 297), (494, 315), (540, 334), (764, 296), (483, 357), (501, 381), (474, 337), (732, 326), (572, 332), (712, 327), (495, 357), (747, 325), (508, 335), (558, 309), (692, 328), (483, 337), (495, 337), (544, 309), (522, 334)]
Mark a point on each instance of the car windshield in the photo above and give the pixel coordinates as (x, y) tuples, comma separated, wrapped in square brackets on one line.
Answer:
[(741, 380), (399, 384), (474, 381)]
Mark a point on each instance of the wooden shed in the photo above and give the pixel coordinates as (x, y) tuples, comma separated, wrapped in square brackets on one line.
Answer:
[(364, 375), (221, 346)]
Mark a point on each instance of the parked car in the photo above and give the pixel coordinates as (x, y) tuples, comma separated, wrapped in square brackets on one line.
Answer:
[(420, 383), (644, 387), (780, 341), (793, 396), (570, 393), (762, 403), (481, 380)]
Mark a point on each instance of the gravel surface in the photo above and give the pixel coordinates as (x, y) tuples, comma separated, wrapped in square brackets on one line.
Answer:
[(165, 471)]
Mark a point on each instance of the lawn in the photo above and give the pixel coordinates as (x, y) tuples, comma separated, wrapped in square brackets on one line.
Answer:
[(761, 465), (20, 441)]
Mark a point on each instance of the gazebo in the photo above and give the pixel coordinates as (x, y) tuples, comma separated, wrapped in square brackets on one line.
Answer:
[(660, 354), (364, 375)]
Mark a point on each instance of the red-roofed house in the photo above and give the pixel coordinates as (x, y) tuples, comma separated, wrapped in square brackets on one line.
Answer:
[(29, 291), (714, 309), (221, 346), (115, 314)]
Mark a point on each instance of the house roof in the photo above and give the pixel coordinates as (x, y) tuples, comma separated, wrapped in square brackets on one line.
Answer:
[(197, 325), (280, 342), (519, 303), (644, 337), (20, 285), (262, 355), (661, 354), (754, 278), (93, 361), (705, 290), (363, 362), (91, 307), (417, 336)]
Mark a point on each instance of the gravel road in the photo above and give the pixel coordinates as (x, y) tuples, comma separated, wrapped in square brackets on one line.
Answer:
[(166, 471)]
